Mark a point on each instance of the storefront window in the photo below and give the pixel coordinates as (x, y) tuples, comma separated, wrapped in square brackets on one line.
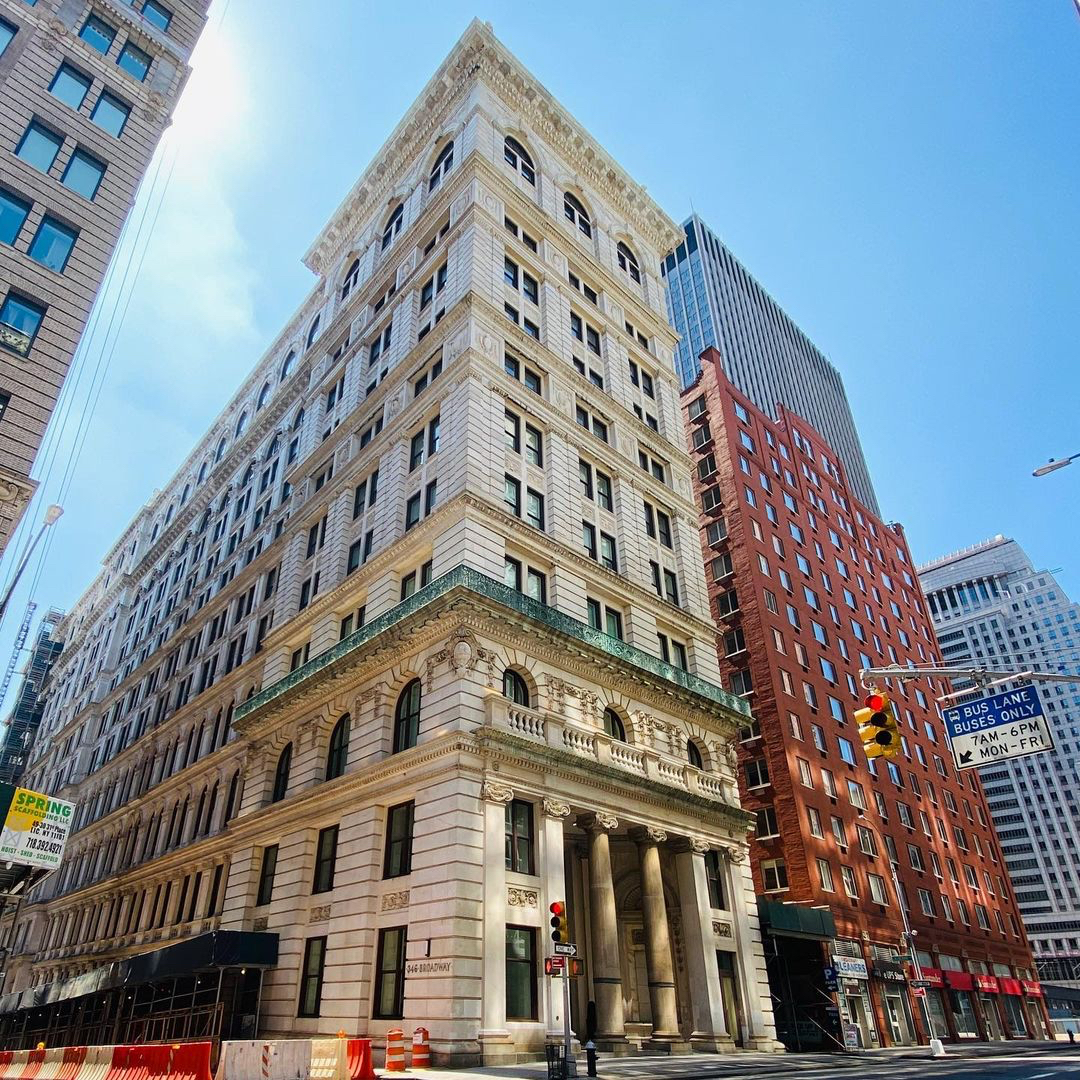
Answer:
[(1014, 1015), (937, 1013), (963, 1014)]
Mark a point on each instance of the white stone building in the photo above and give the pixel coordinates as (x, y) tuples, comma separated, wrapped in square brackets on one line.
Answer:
[(415, 643)]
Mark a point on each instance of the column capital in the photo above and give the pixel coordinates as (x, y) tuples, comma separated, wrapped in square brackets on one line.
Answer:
[(697, 845), (599, 821), (492, 791), (555, 809), (648, 834)]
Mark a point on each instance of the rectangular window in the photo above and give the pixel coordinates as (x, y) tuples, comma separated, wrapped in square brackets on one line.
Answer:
[(312, 977), (512, 495), (70, 86), (83, 174), (266, 875), (7, 34), (390, 974), (714, 877), (157, 14), (52, 244), (13, 214), (325, 858), (134, 61), (399, 833), (39, 146), (98, 33), (519, 836), (20, 320), (521, 977)]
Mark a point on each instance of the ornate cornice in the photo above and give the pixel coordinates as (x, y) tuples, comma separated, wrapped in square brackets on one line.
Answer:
[(480, 57)]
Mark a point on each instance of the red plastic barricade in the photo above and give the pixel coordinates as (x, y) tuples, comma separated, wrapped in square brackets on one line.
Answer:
[(187, 1061), (359, 1058), (34, 1060), (72, 1061)]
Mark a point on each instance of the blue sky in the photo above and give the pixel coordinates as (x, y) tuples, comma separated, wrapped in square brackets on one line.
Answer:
[(904, 179)]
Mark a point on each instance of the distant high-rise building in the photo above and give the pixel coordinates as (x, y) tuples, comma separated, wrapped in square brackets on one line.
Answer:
[(809, 587), (992, 607), (713, 301), (86, 90)]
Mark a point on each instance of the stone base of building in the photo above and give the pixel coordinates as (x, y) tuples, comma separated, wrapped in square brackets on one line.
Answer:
[(712, 1044)]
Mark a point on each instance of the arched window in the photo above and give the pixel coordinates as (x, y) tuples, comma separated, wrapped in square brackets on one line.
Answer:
[(443, 164), (186, 492), (517, 157), (287, 367), (613, 725), (230, 801), (249, 475), (298, 420), (628, 261), (153, 534), (264, 396), (338, 752), (241, 424), (576, 214), (281, 774), (312, 332), (220, 451), (202, 472), (205, 523), (407, 717), (393, 226), (352, 275), (168, 515), (515, 688), (693, 754)]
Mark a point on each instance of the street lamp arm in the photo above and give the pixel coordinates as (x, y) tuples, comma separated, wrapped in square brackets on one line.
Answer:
[(1053, 465)]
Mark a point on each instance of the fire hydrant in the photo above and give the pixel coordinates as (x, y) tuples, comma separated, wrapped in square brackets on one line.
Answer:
[(590, 1058)]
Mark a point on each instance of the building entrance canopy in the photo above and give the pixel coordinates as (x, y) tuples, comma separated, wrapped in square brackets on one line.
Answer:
[(207, 952)]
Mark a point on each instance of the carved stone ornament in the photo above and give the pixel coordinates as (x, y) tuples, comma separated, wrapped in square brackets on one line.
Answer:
[(260, 923), (496, 792), (699, 846), (555, 809), (722, 929), (603, 820), (655, 835), (319, 914), (526, 898), (392, 901), (736, 855)]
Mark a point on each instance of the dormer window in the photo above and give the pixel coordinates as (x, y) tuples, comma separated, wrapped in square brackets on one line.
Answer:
[(443, 164), (576, 214), (517, 157), (628, 262)]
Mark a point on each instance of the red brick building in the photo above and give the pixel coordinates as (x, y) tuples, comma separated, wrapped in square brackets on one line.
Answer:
[(807, 586)]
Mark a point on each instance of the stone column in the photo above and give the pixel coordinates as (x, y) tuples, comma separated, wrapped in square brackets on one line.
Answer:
[(607, 971), (495, 1038), (658, 961), (706, 1001), (554, 887)]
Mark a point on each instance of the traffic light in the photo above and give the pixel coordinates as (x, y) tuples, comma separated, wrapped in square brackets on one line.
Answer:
[(877, 726), (560, 932)]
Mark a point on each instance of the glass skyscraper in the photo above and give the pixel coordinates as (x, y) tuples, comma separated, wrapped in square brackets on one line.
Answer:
[(713, 300)]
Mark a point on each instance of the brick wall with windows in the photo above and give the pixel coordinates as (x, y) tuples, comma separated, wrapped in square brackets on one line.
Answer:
[(807, 586)]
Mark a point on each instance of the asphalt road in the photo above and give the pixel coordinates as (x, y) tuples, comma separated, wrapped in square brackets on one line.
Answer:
[(1053, 1063)]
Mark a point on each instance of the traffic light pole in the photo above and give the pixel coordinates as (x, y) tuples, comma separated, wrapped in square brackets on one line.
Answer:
[(568, 1054), (936, 1047)]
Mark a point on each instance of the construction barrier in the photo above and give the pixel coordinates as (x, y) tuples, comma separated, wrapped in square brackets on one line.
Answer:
[(421, 1049), (170, 1061), (290, 1059), (395, 1050)]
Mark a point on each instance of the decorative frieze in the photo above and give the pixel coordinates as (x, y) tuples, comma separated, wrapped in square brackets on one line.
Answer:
[(394, 901), (522, 898)]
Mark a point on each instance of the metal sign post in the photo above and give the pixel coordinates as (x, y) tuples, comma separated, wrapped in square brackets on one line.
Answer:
[(571, 1061), (936, 1047)]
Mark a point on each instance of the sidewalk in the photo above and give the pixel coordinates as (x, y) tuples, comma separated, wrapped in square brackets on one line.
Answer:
[(744, 1063)]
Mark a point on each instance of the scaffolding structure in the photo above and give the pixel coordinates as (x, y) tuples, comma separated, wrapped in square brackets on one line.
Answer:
[(22, 724)]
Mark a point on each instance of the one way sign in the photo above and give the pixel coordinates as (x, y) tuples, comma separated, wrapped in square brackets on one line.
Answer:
[(998, 728)]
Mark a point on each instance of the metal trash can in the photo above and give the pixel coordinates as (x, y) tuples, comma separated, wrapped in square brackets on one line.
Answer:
[(556, 1061)]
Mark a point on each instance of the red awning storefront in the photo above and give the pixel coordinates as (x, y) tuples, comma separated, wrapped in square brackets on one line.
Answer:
[(932, 976), (959, 980), (988, 984), (1010, 986), (1032, 989)]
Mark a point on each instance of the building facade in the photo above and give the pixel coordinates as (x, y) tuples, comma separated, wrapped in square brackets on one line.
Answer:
[(713, 301), (809, 587), (415, 644), (22, 723), (86, 89), (993, 608)]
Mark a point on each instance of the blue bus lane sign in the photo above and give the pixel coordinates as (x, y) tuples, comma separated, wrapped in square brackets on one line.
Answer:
[(998, 728)]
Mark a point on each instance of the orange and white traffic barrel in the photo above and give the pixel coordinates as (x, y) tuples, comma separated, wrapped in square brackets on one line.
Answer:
[(421, 1049), (395, 1050)]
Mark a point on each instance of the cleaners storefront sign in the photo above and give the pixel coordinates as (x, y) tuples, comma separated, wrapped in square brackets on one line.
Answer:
[(35, 827), (998, 728)]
